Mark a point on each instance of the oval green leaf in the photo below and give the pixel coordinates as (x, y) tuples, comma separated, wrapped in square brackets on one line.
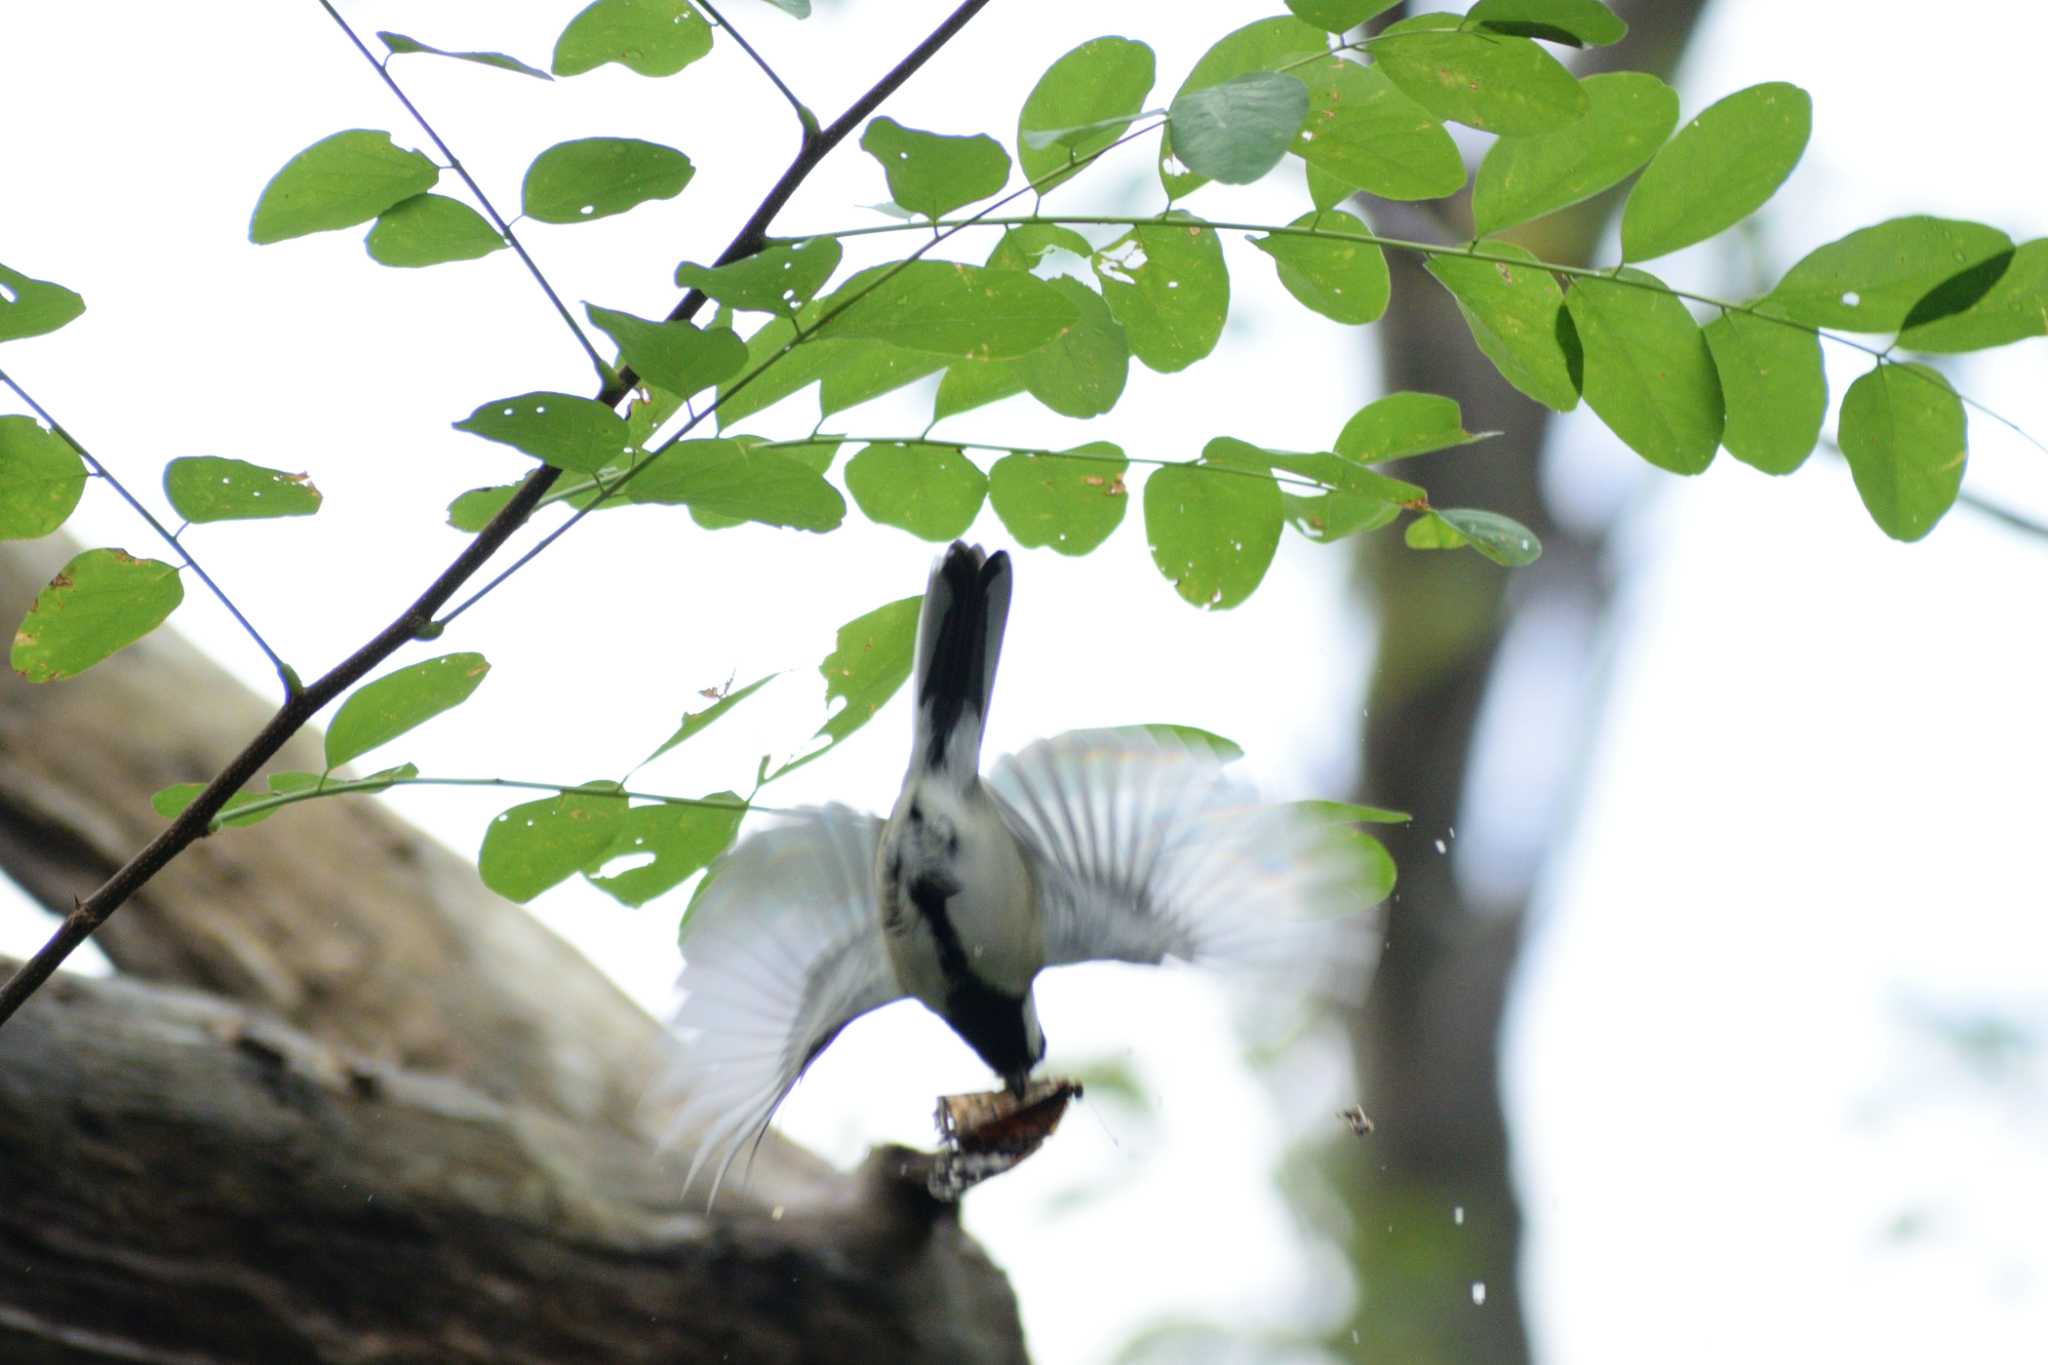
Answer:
[(1363, 131), (1092, 92), (1720, 168), (2013, 308), (533, 846), (101, 602), (1491, 81), (595, 177), (934, 173), (211, 488), (1166, 283), (947, 308), (29, 308), (1339, 16), (1774, 387), (1629, 115), (1501, 539), (649, 37), (1516, 313), (667, 844), (726, 479), (560, 428), (1648, 372), (1345, 281), (1403, 424), (675, 356), (430, 229), (1070, 501), (1262, 45), (1904, 433), (1082, 371), (779, 278), (931, 491), (1872, 279), (380, 711), (41, 479), (1213, 530), (1237, 131), (338, 182)]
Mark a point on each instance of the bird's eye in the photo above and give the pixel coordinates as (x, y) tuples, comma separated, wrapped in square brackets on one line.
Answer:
[(916, 814)]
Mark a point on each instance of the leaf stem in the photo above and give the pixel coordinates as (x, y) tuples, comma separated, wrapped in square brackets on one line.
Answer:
[(804, 116), (284, 674), (279, 800)]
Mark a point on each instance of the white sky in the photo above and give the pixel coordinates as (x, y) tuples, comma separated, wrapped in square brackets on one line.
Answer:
[(1806, 822)]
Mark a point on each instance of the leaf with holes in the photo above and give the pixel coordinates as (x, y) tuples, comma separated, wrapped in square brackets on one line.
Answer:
[(211, 488), (1070, 501), (41, 479), (1213, 530), (338, 182), (675, 356), (29, 308), (430, 229), (649, 37), (779, 278), (380, 711), (533, 846), (101, 602), (696, 722), (560, 428), (595, 177), (1345, 281), (1166, 283), (1648, 372), (676, 840), (870, 659), (1904, 433), (934, 173), (1720, 168)]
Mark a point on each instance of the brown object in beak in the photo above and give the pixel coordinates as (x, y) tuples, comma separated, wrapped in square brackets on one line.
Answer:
[(989, 1132)]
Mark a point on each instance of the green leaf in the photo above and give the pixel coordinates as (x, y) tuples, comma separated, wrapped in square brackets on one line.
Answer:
[(651, 37), (779, 278), (869, 661), (1870, 280), (596, 177), (29, 308), (1516, 313), (675, 356), (380, 711), (560, 428), (727, 479), (430, 229), (41, 479), (932, 173), (934, 492), (796, 365), (1720, 168), (1403, 424), (1237, 131), (696, 722), (1775, 390), (470, 512), (679, 839), (531, 847), (1326, 517), (1344, 281), (1325, 191), (2013, 308), (1081, 372), (1366, 133), (338, 182), (1491, 81), (1166, 283), (1903, 431), (1576, 23), (400, 45), (1648, 372), (1024, 245), (1191, 737), (1501, 539), (1347, 811), (855, 371), (1431, 532), (1630, 115), (969, 384), (211, 488), (101, 602), (1212, 531), (1373, 867), (1070, 501), (1095, 91), (947, 308), (1339, 16), (1264, 45)]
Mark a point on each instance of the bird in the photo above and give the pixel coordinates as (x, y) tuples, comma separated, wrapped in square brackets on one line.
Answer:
[(1131, 844)]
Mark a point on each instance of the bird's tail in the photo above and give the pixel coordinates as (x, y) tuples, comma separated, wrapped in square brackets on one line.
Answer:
[(959, 640)]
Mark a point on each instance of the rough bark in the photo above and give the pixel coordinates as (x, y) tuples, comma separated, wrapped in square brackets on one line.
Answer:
[(364, 1133), (1429, 1044)]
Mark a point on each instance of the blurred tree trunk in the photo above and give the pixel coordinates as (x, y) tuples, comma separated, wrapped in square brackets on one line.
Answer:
[(1429, 1043)]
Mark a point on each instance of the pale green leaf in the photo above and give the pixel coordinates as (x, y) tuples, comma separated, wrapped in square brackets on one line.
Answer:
[(566, 431), (1630, 115), (1720, 168), (656, 848), (1363, 131), (1491, 81), (533, 846), (1345, 281), (1904, 433), (101, 602), (1774, 387), (1070, 501), (934, 173), (946, 308), (1212, 530), (430, 229), (726, 479), (381, 710), (1094, 92), (595, 177), (1516, 313), (338, 182), (41, 479), (1166, 283), (1648, 372), (210, 488), (1237, 131), (696, 722), (931, 491), (779, 278), (401, 45), (674, 356), (1262, 45), (1870, 280), (650, 37), (29, 308), (2013, 308), (1403, 424)]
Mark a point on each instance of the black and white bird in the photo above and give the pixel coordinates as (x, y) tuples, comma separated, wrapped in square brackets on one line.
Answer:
[(1130, 845)]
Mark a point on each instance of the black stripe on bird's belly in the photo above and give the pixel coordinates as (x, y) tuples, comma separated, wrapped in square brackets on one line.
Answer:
[(991, 1021)]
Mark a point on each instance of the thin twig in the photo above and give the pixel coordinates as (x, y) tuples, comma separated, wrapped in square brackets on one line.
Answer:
[(284, 673), (372, 786), (804, 115), (192, 823), (455, 164)]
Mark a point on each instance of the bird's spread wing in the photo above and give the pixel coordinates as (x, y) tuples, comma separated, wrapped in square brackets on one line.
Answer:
[(782, 950), (1146, 849)]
